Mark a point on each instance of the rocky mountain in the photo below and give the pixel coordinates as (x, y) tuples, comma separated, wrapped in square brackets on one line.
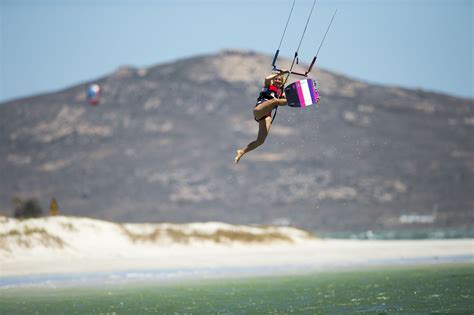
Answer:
[(160, 148)]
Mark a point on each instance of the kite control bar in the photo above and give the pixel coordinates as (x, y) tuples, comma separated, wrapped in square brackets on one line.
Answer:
[(295, 57)]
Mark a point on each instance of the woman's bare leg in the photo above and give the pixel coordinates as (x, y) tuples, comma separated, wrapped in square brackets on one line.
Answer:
[(266, 107), (263, 129)]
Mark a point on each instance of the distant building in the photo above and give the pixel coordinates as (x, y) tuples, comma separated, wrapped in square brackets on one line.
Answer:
[(53, 207)]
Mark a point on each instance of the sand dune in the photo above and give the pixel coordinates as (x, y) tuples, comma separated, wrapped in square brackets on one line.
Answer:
[(74, 244)]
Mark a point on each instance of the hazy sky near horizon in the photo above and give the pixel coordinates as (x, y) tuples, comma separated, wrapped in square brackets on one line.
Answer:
[(48, 45)]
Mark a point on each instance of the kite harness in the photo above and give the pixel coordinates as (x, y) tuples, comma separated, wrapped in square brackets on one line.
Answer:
[(266, 94)]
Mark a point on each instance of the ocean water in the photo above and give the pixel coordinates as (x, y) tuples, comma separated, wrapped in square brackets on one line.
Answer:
[(426, 289), (407, 234)]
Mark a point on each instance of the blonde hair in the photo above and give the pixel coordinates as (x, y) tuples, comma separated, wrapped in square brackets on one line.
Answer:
[(280, 75)]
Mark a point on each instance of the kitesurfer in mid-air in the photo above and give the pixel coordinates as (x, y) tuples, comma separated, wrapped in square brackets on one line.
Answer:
[(270, 97)]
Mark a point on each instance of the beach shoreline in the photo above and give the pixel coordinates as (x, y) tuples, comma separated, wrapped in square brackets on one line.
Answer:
[(66, 245), (315, 255)]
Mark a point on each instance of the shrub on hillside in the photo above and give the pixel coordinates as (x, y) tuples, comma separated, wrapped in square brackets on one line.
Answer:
[(28, 208)]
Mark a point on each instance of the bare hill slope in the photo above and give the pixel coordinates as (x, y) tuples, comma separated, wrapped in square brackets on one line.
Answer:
[(160, 148)]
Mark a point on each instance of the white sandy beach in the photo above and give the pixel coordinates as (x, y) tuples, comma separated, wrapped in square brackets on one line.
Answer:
[(72, 245)]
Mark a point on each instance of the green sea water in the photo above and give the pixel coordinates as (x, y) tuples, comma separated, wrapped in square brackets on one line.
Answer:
[(407, 234), (442, 289)]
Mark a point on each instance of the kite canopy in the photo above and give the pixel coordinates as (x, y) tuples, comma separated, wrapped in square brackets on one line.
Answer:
[(93, 94)]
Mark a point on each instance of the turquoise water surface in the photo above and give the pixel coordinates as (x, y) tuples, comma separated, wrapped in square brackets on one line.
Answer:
[(437, 288)]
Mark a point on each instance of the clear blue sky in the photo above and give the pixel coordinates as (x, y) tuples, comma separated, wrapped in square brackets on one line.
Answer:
[(46, 45)]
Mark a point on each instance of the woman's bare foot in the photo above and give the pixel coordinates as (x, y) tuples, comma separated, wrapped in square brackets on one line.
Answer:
[(239, 154)]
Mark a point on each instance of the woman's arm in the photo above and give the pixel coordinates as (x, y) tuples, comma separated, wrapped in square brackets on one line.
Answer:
[(268, 79)]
